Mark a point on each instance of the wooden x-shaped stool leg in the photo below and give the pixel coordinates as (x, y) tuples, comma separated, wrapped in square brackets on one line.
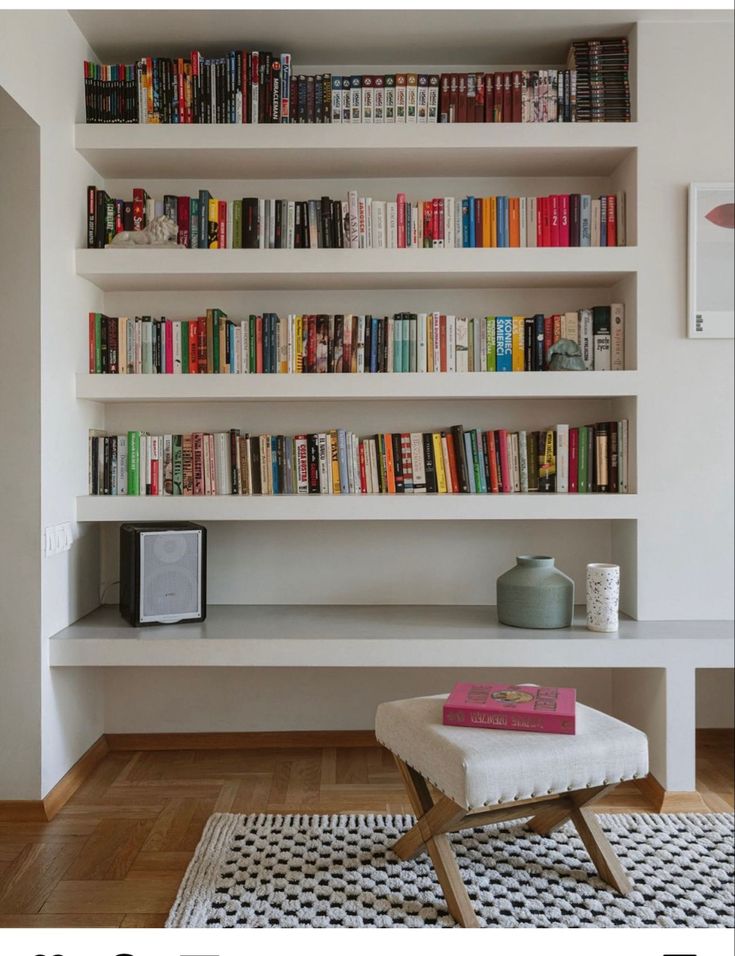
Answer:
[(435, 820)]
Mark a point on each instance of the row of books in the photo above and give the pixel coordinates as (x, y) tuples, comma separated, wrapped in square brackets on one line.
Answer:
[(261, 87), (567, 460), (403, 342), (360, 222), (602, 80)]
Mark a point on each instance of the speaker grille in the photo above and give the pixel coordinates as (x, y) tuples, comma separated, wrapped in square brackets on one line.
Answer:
[(170, 574)]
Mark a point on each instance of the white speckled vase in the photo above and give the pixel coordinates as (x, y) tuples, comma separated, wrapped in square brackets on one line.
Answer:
[(603, 596)]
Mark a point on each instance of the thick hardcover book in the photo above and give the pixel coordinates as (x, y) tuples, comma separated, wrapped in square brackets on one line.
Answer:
[(521, 707)]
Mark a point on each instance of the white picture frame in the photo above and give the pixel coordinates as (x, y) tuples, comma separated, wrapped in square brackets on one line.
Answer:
[(711, 269)]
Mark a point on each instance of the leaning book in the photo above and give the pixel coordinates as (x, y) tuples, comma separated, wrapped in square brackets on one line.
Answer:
[(524, 707)]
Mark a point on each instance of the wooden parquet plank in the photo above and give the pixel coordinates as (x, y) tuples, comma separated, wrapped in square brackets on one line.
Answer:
[(352, 765), (252, 793), (110, 851), (165, 863), (113, 896), (61, 921), (33, 875), (144, 920)]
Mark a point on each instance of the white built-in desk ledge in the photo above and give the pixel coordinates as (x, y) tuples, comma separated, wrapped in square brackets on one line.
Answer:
[(435, 507), (299, 151), (383, 636), (170, 270), (416, 386)]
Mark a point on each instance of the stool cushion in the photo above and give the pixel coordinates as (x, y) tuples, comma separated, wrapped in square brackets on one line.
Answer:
[(478, 768)]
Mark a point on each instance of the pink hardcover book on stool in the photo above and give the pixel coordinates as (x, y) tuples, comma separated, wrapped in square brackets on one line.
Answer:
[(525, 707)]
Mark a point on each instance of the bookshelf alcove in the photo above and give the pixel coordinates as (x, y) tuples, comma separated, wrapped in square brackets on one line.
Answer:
[(409, 580)]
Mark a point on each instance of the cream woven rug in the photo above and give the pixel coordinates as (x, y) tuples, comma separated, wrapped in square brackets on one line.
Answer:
[(338, 871)]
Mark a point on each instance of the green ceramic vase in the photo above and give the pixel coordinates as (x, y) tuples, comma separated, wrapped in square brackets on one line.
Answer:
[(535, 594)]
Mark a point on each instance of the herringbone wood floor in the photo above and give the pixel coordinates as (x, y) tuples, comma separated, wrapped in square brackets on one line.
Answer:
[(114, 856)]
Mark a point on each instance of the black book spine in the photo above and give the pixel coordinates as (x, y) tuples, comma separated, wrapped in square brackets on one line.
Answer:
[(398, 463), (312, 457), (257, 488), (298, 230), (279, 225), (459, 454), (275, 90), (429, 466), (106, 466), (301, 100), (337, 231), (381, 346), (485, 459), (234, 455), (326, 222), (575, 206), (318, 98), (368, 342), (529, 345)]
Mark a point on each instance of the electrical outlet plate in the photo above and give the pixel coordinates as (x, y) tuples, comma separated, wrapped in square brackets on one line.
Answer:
[(57, 538)]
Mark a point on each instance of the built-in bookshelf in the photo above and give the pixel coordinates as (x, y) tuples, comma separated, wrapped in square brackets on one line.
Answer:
[(294, 161)]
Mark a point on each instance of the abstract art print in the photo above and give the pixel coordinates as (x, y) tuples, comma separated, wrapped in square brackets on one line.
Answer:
[(711, 256)]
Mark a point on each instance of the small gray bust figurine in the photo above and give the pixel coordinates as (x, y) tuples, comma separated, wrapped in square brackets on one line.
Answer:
[(565, 356)]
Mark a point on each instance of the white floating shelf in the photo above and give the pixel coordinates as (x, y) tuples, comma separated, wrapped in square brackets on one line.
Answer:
[(446, 386), (381, 636), (357, 507), (223, 151), (240, 269)]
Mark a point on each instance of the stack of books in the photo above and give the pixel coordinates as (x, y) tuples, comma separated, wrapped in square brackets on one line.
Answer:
[(602, 83)]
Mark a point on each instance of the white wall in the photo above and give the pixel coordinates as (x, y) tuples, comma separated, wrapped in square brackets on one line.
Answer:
[(52, 94)]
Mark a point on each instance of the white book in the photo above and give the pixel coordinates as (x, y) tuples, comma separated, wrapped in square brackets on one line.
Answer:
[(361, 223), (302, 466), (237, 358), (325, 464), (150, 209), (451, 343), (245, 346), (374, 466), (378, 224), (523, 221), (523, 461), (122, 345), (562, 459), (336, 100), (570, 326), (223, 464), (422, 100), (176, 333), (595, 223), (449, 227), (602, 347), (369, 223), (392, 225), (617, 349), (476, 344), (356, 102), (228, 227), (531, 229), (261, 224), (290, 343), (350, 464), (421, 343), (145, 462), (361, 343), (457, 225), (266, 474), (122, 464), (354, 210), (436, 337), (389, 103), (291, 226), (379, 101), (415, 223), (411, 97), (418, 214), (481, 366), (515, 460), (462, 350), (433, 101), (586, 340), (585, 220), (368, 99), (445, 461), (417, 463)]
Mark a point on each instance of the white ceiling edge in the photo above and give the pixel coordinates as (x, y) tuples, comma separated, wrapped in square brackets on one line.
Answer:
[(330, 38)]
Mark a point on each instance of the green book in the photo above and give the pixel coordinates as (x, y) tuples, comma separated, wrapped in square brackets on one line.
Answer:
[(398, 343), (185, 347), (215, 339), (237, 224), (476, 461), (178, 465), (133, 463), (490, 320), (583, 479)]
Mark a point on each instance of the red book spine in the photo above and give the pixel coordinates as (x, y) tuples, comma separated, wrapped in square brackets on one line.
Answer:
[(182, 218), (573, 460), (506, 483), (92, 344), (138, 209), (563, 220), (554, 220), (363, 471), (401, 216), (428, 223), (435, 220), (197, 454), (538, 724), (222, 225), (169, 347), (556, 329), (548, 337), (442, 343), (461, 97), (113, 365), (493, 463), (245, 88), (498, 99), (311, 347), (180, 78), (612, 227), (489, 97), (540, 221), (507, 98), (453, 85), (202, 356), (193, 346), (516, 97), (440, 235), (479, 98)]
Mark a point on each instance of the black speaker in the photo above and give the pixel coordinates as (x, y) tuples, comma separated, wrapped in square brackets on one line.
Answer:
[(163, 573)]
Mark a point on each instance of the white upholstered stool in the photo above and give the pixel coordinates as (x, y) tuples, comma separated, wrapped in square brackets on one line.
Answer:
[(488, 776)]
